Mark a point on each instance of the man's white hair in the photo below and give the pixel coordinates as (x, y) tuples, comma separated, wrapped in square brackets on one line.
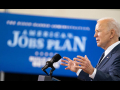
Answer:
[(112, 24)]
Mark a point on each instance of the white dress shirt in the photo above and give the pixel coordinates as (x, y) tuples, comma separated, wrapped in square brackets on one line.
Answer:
[(106, 53)]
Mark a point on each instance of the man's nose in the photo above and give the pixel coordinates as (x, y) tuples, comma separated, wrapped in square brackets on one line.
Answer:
[(95, 35)]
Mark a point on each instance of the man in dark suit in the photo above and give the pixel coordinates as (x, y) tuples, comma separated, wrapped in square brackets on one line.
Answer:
[(107, 32)]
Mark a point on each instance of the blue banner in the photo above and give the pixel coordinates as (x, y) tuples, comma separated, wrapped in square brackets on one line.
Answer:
[(27, 42)]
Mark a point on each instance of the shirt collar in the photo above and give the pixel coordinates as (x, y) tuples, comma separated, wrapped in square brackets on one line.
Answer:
[(111, 47)]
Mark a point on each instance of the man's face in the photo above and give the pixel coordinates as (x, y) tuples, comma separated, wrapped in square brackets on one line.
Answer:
[(102, 35)]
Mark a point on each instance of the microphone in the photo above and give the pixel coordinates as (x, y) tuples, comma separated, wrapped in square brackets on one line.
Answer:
[(55, 58)]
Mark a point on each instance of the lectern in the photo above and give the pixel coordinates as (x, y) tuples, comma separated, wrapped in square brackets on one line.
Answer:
[(47, 78)]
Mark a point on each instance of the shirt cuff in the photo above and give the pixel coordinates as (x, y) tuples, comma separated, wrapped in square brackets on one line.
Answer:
[(93, 74), (78, 72)]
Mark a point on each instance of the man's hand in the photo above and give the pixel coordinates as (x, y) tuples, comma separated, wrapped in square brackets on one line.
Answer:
[(85, 64), (71, 65)]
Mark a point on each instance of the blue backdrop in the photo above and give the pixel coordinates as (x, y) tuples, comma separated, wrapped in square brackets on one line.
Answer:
[(27, 42)]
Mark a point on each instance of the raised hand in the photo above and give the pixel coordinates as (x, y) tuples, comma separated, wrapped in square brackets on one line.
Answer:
[(85, 64), (71, 65)]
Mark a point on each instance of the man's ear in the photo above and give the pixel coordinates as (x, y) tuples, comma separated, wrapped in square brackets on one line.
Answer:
[(112, 33)]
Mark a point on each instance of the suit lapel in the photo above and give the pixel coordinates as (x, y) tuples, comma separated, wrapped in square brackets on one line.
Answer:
[(99, 61), (106, 59)]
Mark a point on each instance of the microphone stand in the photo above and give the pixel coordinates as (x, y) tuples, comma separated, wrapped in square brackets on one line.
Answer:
[(46, 72), (51, 71)]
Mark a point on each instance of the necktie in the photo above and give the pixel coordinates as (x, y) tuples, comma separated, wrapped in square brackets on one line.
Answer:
[(100, 59)]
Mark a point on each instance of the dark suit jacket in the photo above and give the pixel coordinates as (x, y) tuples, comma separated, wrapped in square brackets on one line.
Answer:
[(108, 70)]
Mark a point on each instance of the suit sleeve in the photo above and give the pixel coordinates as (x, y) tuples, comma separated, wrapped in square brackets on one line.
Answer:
[(114, 72), (84, 76)]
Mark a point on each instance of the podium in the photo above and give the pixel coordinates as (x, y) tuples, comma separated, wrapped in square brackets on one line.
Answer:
[(47, 78)]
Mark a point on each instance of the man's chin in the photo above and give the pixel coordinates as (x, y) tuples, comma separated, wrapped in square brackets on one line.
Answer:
[(98, 45)]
